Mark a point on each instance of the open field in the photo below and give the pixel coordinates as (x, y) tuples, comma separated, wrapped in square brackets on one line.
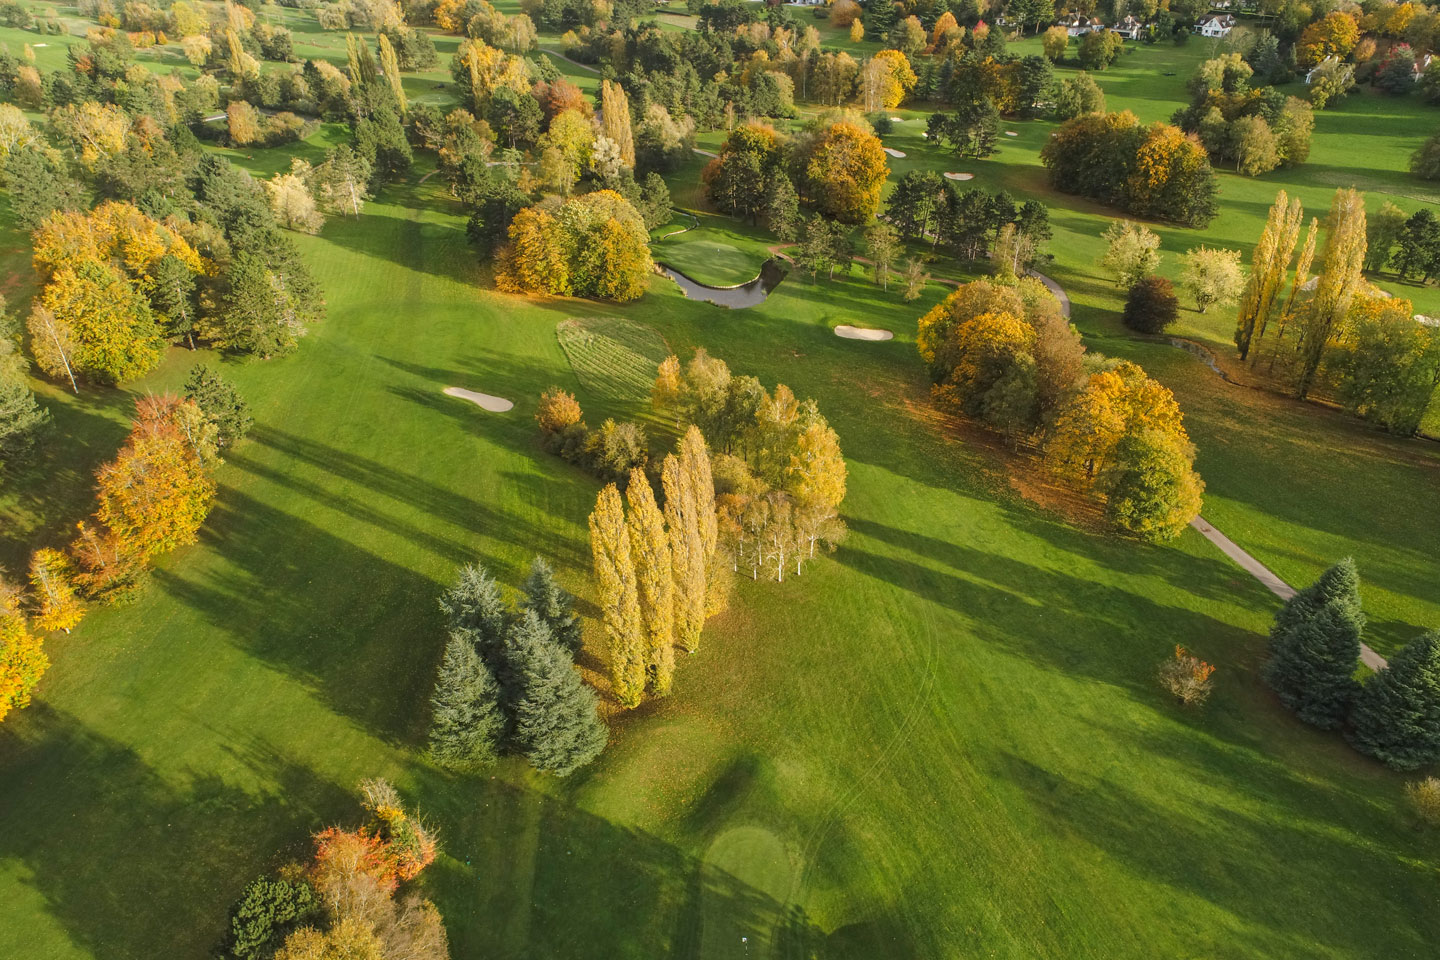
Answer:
[(943, 741)]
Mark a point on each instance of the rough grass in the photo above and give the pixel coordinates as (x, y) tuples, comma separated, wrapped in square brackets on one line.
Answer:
[(612, 357)]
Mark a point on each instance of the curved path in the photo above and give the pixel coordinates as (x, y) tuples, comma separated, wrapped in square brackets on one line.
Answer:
[(557, 53), (1267, 577), (676, 233), (1055, 289)]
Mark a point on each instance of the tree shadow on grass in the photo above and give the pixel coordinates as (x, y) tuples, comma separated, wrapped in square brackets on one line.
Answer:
[(529, 875), (363, 633), (133, 864), (1058, 621), (1274, 875)]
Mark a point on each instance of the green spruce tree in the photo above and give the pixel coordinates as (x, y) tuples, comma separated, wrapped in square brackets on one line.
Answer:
[(221, 403), (467, 722), (1315, 645), (1397, 714), (555, 721), (476, 604), (553, 604)]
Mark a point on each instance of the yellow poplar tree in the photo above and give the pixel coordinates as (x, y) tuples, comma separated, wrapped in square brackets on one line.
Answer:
[(695, 460), (390, 66), (687, 554), (619, 600), (655, 580), (51, 580), (22, 662), (1268, 265), (615, 119), (1335, 285)]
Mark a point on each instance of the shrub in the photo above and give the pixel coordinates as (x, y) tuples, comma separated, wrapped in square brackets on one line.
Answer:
[(1187, 677), (1424, 797), (557, 411), (1151, 305), (265, 913)]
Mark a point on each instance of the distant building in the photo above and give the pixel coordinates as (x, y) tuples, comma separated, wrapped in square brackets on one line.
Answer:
[(1215, 25), (1129, 28), (1079, 26), (1310, 74)]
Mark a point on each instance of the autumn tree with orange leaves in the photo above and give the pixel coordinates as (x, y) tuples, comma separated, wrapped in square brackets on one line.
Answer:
[(152, 497)]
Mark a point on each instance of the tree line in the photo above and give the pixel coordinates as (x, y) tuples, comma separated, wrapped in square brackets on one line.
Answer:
[(1326, 329), (153, 497)]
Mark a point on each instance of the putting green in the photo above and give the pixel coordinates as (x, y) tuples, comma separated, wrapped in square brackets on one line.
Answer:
[(753, 859), (702, 256)]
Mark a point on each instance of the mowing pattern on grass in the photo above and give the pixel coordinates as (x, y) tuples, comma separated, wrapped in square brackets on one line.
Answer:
[(612, 356)]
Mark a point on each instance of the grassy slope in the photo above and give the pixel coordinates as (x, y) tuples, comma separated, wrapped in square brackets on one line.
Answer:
[(943, 742)]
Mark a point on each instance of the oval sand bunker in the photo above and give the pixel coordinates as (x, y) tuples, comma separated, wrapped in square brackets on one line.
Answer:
[(1011, 133), (894, 153), (862, 333), (482, 400), (959, 176)]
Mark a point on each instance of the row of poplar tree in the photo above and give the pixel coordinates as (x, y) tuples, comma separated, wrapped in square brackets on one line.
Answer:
[(653, 569)]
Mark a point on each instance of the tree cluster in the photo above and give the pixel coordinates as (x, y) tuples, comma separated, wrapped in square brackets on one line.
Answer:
[(347, 901), (507, 681), (924, 206), (835, 166), (593, 245), (1256, 128), (655, 569), (1393, 716), (1156, 171), (1003, 354)]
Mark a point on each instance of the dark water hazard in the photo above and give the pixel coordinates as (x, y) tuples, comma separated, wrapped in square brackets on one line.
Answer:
[(738, 297)]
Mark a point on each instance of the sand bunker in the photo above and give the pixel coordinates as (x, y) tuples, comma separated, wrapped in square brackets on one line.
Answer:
[(895, 153), (959, 176), (897, 119), (482, 400), (862, 333), (1011, 133)]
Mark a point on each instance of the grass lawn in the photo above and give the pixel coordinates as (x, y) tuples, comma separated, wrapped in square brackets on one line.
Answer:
[(943, 741), (720, 252)]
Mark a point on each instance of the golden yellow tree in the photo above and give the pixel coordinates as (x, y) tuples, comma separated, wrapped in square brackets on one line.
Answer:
[(1268, 265), (390, 66), (615, 120), (655, 580), (618, 597), (687, 554), (51, 580), (1335, 286), (22, 661)]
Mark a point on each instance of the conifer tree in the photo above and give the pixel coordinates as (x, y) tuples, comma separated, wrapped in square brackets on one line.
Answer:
[(554, 714), (52, 581), (553, 604), (618, 597), (687, 555), (1315, 645), (475, 604), (655, 581), (1397, 715), (467, 723)]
